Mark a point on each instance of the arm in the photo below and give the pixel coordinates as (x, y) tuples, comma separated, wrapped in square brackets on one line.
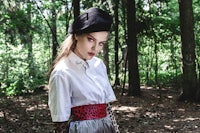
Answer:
[(59, 103)]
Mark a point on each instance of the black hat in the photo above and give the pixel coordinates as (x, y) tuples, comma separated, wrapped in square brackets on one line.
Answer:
[(92, 20)]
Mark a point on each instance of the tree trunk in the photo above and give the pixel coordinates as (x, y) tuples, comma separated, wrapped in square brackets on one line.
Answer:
[(117, 82), (30, 42), (76, 5), (148, 64), (134, 80), (54, 33), (156, 62), (67, 16), (6, 71), (106, 58), (189, 76), (124, 45), (106, 47)]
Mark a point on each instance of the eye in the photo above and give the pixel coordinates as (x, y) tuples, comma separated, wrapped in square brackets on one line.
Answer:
[(102, 43), (90, 39)]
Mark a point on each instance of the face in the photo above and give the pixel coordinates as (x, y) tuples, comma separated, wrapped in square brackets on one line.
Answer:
[(89, 45)]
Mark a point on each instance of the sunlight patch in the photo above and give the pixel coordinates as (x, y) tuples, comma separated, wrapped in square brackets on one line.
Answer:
[(1, 114), (126, 108), (32, 108), (42, 106), (186, 119), (169, 127), (182, 110)]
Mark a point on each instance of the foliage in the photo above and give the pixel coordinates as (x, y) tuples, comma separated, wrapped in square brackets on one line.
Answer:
[(158, 41), (14, 75)]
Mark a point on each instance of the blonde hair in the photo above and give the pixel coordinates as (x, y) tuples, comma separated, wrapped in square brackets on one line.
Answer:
[(68, 45)]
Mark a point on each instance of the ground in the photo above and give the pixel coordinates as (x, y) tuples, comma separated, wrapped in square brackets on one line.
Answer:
[(156, 111)]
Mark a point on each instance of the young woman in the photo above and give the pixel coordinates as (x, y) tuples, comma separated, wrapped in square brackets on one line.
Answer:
[(79, 87)]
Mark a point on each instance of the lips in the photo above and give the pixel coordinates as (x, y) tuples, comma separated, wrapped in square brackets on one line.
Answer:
[(91, 53)]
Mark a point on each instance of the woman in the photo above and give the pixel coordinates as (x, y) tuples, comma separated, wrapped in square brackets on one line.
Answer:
[(79, 86)]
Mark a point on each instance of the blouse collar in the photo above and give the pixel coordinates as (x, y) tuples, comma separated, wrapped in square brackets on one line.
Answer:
[(80, 63)]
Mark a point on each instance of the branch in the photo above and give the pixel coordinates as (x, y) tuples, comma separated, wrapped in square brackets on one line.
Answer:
[(46, 21)]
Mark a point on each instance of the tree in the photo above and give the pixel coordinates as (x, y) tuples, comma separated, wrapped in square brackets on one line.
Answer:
[(103, 4), (189, 76), (67, 16), (76, 5), (29, 41), (54, 32), (117, 82), (134, 80), (27, 33)]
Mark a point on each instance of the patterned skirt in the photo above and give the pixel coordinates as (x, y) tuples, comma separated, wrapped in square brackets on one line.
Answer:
[(102, 125)]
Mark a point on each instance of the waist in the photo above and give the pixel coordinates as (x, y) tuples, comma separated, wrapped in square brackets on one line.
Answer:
[(89, 112)]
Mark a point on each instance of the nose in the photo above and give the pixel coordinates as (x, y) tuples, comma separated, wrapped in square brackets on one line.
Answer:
[(95, 47)]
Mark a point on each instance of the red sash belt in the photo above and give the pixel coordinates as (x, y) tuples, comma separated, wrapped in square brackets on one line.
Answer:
[(89, 112)]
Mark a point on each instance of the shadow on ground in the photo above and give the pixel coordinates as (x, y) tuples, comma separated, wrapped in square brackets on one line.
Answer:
[(155, 111)]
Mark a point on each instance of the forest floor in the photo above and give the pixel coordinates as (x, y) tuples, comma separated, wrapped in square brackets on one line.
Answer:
[(156, 111)]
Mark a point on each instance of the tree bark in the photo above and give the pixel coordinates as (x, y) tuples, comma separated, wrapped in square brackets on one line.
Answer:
[(156, 62), (106, 47), (76, 5), (124, 45), (54, 33), (67, 16), (30, 42), (189, 76), (134, 80), (117, 82)]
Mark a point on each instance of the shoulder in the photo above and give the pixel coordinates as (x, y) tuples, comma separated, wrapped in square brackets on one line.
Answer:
[(61, 68)]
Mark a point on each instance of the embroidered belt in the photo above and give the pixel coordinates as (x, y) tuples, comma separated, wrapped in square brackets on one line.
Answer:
[(89, 112)]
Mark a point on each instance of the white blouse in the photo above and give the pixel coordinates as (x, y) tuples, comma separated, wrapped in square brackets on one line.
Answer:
[(75, 82)]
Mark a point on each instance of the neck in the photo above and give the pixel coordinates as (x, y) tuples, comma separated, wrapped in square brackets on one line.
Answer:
[(78, 53)]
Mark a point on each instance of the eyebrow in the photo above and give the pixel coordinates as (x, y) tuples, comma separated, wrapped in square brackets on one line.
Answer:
[(95, 38), (92, 36)]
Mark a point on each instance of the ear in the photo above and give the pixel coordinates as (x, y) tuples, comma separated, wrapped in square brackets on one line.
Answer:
[(76, 36)]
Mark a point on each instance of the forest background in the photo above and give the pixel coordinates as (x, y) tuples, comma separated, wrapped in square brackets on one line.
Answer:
[(145, 46), (153, 52)]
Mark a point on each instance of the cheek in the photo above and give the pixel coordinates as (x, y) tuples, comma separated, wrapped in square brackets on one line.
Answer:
[(100, 48), (82, 46)]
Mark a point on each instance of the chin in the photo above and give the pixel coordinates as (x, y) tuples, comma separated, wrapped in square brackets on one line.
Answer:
[(89, 58)]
